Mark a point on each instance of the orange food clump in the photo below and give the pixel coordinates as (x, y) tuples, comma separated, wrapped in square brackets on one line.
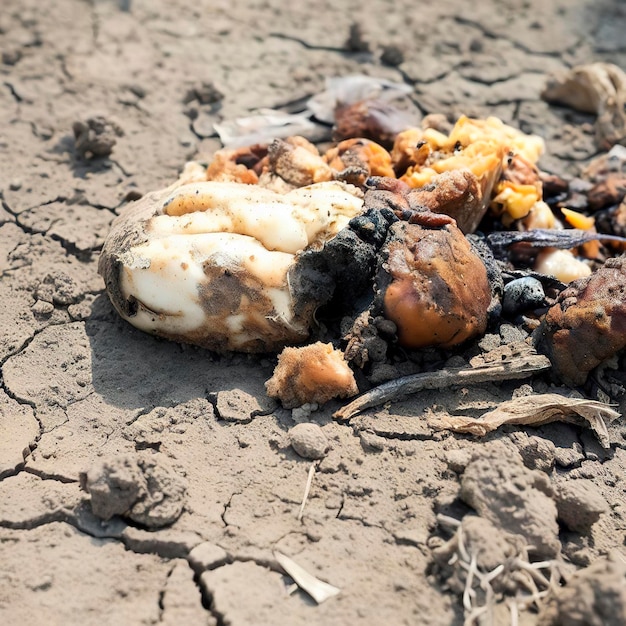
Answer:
[(315, 373), (437, 292), (360, 153)]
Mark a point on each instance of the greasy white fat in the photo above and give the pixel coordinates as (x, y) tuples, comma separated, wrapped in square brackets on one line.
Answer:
[(324, 208), (561, 264), (204, 230), (284, 222), (167, 286)]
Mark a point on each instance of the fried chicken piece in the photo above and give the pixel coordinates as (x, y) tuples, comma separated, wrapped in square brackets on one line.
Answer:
[(587, 325), (315, 373)]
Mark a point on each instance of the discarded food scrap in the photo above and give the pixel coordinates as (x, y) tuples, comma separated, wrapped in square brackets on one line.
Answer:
[(587, 324), (250, 252), (315, 373), (209, 263)]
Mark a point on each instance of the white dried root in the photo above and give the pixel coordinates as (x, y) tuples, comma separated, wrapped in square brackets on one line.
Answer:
[(527, 583), (208, 262)]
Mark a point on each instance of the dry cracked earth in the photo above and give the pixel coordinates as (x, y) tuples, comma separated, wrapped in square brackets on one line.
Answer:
[(81, 387)]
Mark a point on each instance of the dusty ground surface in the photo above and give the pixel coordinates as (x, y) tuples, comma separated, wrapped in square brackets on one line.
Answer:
[(79, 386)]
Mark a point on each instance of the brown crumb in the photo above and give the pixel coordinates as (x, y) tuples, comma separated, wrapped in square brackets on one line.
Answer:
[(315, 373)]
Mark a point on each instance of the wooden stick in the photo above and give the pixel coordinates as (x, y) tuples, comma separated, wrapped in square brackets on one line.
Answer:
[(517, 367)]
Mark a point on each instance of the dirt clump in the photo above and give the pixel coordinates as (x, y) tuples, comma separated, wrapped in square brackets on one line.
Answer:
[(594, 596), (579, 504), (95, 136), (143, 488), (498, 486)]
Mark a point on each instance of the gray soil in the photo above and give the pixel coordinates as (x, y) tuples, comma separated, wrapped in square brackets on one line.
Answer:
[(184, 443)]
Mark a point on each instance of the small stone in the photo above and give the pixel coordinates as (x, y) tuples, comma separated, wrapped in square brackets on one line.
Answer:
[(370, 440), (41, 308), (11, 57), (523, 294), (392, 56), (15, 185), (309, 441), (512, 334), (579, 504)]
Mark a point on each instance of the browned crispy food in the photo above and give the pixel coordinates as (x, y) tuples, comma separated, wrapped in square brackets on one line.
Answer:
[(410, 149), (237, 165), (373, 119), (357, 159), (434, 287), (298, 162), (458, 194), (315, 373), (587, 325)]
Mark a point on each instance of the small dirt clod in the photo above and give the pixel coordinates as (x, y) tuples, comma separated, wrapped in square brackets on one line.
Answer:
[(309, 441)]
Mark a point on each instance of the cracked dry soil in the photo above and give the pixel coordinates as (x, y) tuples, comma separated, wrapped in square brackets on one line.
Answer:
[(80, 386)]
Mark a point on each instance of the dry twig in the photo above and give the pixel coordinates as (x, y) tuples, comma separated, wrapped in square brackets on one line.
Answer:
[(517, 367)]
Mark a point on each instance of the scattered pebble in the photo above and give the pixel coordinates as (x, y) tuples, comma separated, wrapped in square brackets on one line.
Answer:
[(523, 294), (457, 460), (392, 56), (309, 441)]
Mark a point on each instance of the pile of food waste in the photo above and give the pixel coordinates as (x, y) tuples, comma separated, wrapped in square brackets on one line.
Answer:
[(378, 250)]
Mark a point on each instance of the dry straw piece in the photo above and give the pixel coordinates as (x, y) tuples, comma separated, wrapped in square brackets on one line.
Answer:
[(316, 588), (535, 411)]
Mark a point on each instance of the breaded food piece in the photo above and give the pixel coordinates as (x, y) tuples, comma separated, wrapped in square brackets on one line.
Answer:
[(587, 325), (238, 165), (315, 373), (483, 147), (357, 159), (297, 161), (433, 286)]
